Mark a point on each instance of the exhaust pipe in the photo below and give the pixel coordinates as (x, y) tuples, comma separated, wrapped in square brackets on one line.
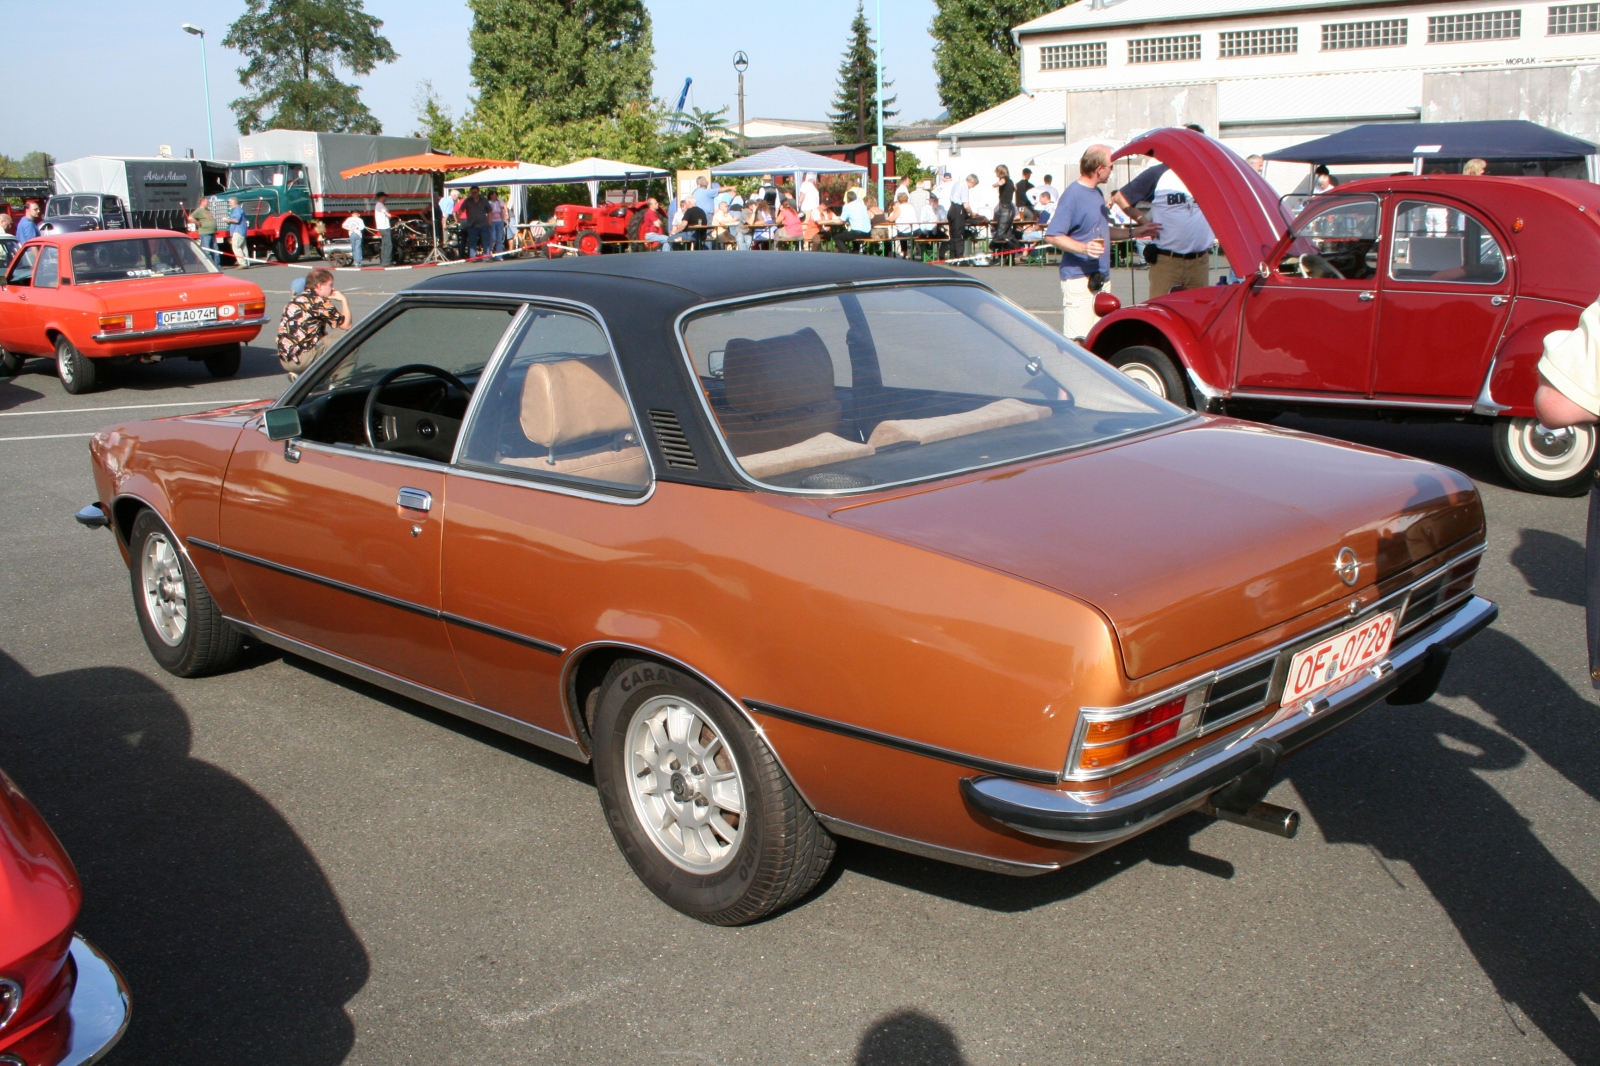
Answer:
[(1267, 817)]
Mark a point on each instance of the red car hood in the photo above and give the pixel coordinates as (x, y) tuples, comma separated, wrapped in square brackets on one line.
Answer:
[(1190, 540), (1242, 209)]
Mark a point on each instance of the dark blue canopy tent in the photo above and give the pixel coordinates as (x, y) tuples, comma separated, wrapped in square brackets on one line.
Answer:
[(1449, 144)]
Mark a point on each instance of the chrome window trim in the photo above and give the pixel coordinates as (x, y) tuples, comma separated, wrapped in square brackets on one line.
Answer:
[(1282, 652), (533, 481), (1394, 235), (850, 286), (496, 357)]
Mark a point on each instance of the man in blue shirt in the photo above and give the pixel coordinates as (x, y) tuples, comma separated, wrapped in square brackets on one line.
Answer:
[(705, 197), (28, 227), (1081, 228), (239, 231), (857, 221)]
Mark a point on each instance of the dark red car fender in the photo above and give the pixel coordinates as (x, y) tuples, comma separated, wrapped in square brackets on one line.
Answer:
[(1158, 327), (1515, 373), (39, 901)]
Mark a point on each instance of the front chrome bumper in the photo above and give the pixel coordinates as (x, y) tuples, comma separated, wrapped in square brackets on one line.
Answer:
[(1186, 782), (99, 1008)]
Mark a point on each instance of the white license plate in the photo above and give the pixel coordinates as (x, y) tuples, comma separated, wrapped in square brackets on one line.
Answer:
[(1337, 658), (185, 316)]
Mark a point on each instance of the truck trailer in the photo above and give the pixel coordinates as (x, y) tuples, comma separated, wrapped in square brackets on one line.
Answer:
[(156, 191), (288, 180)]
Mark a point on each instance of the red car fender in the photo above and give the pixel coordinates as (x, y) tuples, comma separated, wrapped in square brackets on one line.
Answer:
[(1157, 327), (1514, 375)]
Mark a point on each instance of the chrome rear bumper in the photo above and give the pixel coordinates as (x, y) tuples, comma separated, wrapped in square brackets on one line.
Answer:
[(1187, 782)]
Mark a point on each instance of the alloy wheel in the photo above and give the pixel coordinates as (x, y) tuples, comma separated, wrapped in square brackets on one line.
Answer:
[(166, 594), (685, 784)]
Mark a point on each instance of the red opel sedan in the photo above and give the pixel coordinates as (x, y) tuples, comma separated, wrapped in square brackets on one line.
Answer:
[(1413, 298), (62, 1003), (120, 296)]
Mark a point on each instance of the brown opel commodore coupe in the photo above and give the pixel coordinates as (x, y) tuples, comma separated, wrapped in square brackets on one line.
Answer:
[(801, 546)]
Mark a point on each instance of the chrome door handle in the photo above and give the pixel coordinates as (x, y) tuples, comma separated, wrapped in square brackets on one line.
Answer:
[(1496, 301), (415, 500), (1366, 296)]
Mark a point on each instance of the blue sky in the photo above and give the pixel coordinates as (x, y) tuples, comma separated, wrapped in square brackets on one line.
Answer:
[(129, 80)]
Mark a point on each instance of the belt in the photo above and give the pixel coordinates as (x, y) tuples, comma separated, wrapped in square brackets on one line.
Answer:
[(1181, 255)]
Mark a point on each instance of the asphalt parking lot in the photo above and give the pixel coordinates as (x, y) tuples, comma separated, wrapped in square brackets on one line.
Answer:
[(291, 866)]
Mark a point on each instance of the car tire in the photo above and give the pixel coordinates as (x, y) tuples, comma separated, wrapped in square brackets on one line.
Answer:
[(224, 362), (650, 718), (10, 364), (76, 370), (1551, 463), (182, 626), (290, 245), (1155, 370)]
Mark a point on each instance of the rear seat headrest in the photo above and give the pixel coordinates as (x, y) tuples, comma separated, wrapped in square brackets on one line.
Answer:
[(777, 373), (571, 400)]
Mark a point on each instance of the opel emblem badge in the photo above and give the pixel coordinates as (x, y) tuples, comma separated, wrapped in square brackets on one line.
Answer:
[(1347, 566)]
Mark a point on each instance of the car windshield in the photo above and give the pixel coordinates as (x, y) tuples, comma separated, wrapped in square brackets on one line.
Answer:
[(879, 386), (58, 206), (142, 257)]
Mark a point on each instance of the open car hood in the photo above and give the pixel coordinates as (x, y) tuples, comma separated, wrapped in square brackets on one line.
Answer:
[(1241, 208), (1192, 539)]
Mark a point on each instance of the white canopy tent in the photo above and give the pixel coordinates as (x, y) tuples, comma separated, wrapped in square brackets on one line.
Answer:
[(591, 172), (785, 160), (521, 174)]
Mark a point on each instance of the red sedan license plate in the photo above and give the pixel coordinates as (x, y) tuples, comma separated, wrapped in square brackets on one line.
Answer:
[(1337, 658), (185, 316)]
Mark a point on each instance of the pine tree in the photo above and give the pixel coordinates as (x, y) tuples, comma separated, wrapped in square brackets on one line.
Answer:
[(854, 117), (575, 59), (295, 49), (973, 53)]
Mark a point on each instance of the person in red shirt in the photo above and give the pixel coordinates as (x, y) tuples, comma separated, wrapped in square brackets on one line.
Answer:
[(652, 227)]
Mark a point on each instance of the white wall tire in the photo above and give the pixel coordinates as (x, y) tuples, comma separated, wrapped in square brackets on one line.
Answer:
[(1549, 462), (1153, 369)]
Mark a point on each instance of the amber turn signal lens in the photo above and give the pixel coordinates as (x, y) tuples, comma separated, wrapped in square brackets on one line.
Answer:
[(253, 309), (116, 323), (1135, 727)]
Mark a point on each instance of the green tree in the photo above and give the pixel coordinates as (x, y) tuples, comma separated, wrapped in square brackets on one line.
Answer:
[(295, 49), (973, 53), (434, 121), (576, 59), (700, 143), (907, 165), (854, 116), (32, 165)]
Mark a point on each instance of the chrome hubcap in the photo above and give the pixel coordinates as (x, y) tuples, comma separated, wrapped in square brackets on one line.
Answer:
[(1147, 377), (685, 784), (1551, 454), (166, 595)]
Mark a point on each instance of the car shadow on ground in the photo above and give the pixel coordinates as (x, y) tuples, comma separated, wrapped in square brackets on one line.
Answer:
[(1467, 448), (1427, 797), (909, 1038), (257, 362), (233, 943), (13, 395), (1551, 564)]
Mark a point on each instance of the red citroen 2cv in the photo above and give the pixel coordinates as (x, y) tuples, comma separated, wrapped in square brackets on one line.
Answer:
[(1405, 298)]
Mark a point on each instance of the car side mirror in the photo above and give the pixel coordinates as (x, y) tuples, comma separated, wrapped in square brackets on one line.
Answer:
[(282, 423)]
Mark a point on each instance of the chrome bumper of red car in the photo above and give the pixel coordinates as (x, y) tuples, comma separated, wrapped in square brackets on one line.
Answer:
[(1187, 782), (99, 1006), (178, 331)]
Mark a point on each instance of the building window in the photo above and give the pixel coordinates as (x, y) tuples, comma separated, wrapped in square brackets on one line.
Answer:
[(1373, 33), (1164, 49), (1072, 56), (1574, 18), (1276, 42), (1478, 26)]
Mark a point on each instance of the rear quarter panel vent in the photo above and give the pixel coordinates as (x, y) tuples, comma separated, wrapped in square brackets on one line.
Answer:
[(673, 444)]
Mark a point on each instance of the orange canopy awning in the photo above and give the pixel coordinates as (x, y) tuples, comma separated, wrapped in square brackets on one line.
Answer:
[(427, 163)]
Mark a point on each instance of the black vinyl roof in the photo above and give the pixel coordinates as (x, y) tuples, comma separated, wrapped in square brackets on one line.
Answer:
[(1396, 142)]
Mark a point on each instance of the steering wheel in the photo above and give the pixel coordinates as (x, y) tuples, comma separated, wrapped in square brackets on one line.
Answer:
[(1314, 266), (405, 429)]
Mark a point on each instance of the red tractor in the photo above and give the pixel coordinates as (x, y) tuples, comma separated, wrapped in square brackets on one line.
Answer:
[(590, 229)]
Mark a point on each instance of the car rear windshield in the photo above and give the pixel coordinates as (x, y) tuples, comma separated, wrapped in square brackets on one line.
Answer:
[(875, 386), (137, 257)]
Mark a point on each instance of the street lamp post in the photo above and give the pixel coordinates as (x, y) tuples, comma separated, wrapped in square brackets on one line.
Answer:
[(741, 63), (877, 54), (205, 76)]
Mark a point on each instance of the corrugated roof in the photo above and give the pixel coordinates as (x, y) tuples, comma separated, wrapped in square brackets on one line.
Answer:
[(1082, 15), (1044, 111), (1308, 97)]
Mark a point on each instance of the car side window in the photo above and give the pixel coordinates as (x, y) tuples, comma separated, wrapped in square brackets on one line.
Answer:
[(21, 272), (1335, 237), (48, 274), (554, 408), (1440, 243)]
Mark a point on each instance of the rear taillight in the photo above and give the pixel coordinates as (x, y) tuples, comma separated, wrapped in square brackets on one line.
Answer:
[(253, 309), (1121, 736), (116, 323), (10, 999)]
